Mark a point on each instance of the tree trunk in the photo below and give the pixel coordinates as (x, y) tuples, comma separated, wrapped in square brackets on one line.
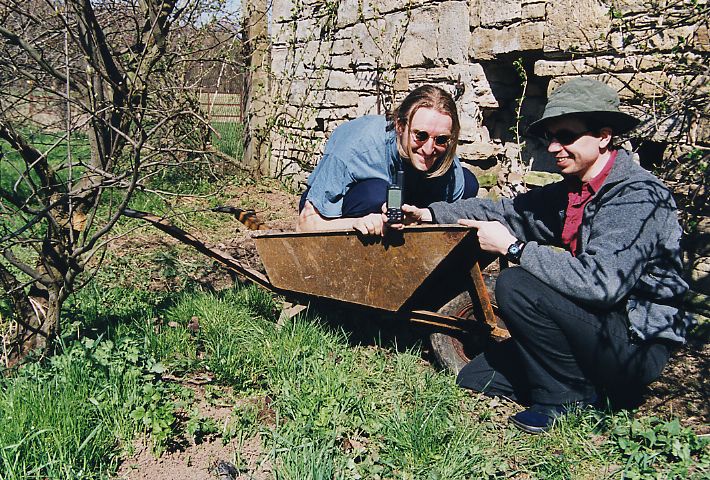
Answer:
[(36, 318)]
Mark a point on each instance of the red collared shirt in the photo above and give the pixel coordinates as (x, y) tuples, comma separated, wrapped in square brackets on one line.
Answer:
[(578, 195)]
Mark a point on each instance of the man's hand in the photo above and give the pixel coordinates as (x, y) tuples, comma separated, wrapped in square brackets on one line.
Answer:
[(492, 236), (414, 214)]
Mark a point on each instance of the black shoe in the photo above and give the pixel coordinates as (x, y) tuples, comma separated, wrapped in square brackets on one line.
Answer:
[(539, 418)]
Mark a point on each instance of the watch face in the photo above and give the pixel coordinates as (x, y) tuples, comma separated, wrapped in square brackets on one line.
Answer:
[(515, 251)]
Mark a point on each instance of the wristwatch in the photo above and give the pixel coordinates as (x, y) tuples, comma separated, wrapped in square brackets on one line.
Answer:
[(515, 251)]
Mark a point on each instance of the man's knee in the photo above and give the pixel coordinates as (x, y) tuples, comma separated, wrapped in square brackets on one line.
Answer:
[(511, 283), (517, 295)]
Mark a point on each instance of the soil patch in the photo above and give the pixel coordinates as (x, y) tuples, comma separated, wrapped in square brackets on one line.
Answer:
[(683, 388), (207, 459)]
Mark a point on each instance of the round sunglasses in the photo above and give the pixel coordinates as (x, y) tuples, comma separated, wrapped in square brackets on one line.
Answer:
[(422, 136)]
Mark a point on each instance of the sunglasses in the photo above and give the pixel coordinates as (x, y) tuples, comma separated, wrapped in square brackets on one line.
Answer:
[(421, 136), (563, 137)]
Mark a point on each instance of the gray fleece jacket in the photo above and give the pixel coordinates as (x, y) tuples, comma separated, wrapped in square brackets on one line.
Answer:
[(629, 246)]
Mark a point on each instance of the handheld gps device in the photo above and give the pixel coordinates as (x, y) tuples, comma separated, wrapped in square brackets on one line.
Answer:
[(394, 199)]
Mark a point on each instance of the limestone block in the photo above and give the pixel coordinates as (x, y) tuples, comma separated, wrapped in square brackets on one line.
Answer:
[(534, 10), (348, 13), (370, 43), (307, 29), (337, 80), (453, 38), (420, 39), (279, 58), (702, 131), (477, 94), (297, 92), (660, 125), (279, 33), (629, 85), (668, 38), (360, 79), (474, 13), (702, 38), (627, 7), (341, 62), (501, 12), (478, 151), (470, 126), (314, 53), (576, 24), (486, 43), (431, 75), (282, 10), (367, 105), (376, 8), (401, 80), (590, 65), (342, 46), (700, 275), (339, 99)]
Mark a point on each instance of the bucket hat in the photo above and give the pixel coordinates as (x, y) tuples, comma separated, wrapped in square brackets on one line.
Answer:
[(587, 98)]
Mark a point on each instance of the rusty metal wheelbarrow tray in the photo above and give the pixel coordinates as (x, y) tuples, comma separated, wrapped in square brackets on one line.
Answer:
[(411, 273), (416, 270)]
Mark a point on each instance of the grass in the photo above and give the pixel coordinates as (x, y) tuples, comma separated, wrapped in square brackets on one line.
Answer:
[(229, 138), (11, 164), (42, 434), (337, 410)]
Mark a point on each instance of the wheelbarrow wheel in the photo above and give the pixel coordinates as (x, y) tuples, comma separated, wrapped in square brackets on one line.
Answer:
[(453, 351)]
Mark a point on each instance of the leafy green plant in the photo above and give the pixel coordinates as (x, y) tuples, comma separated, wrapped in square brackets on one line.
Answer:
[(156, 414), (653, 447), (199, 427), (42, 434)]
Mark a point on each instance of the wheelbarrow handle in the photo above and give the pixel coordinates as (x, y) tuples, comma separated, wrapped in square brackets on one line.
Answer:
[(181, 235)]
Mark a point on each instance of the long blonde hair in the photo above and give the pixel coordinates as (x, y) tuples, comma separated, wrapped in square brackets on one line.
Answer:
[(428, 96)]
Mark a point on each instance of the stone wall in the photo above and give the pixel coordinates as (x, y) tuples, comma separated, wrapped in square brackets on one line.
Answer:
[(334, 60)]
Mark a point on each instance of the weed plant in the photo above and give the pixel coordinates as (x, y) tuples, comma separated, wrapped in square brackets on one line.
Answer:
[(73, 414)]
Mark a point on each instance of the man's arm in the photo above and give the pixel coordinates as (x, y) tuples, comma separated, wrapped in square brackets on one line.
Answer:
[(310, 220), (624, 237), (493, 236)]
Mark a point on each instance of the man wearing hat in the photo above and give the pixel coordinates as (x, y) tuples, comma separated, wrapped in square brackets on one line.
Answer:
[(592, 303)]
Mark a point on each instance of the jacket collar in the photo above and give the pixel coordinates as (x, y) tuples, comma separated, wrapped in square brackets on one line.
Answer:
[(623, 166)]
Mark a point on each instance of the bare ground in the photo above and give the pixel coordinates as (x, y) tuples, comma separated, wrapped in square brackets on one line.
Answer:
[(205, 458), (683, 389)]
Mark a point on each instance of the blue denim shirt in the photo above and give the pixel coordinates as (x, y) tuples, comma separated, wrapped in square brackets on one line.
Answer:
[(363, 149)]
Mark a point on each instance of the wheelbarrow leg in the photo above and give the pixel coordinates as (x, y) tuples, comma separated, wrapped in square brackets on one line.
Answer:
[(484, 299), (473, 304), (288, 311)]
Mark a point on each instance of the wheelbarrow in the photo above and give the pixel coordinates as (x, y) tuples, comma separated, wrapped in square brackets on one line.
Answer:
[(428, 274)]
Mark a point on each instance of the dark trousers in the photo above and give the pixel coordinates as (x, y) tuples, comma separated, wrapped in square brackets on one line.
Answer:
[(560, 352), (367, 196)]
